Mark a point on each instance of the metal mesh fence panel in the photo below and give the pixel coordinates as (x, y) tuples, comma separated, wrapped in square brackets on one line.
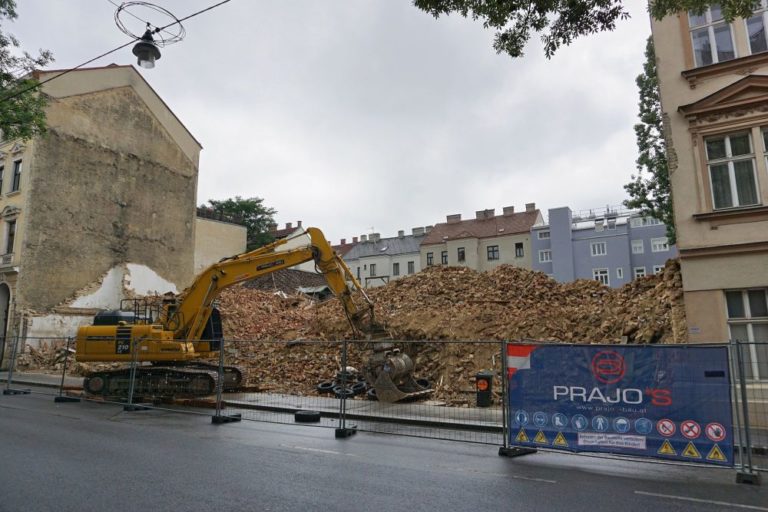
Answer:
[(750, 391)]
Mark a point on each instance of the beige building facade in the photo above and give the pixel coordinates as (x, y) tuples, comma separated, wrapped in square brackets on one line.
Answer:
[(101, 205), (216, 239), (482, 243), (713, 78)]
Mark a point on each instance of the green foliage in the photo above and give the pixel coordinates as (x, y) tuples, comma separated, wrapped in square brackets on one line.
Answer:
[(558, 21), (22, 113), (650, 190), (731, 8), (252, 212)]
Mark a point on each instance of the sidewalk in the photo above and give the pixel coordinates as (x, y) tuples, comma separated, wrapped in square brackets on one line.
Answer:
[(48, 380)]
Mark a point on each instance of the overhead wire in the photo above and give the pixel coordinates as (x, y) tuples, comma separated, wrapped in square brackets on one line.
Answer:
[(39, 84)]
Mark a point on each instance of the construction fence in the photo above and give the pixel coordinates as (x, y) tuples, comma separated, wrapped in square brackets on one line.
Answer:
[(322, 383)]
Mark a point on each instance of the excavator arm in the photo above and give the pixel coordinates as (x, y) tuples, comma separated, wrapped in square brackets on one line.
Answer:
[(188, 317)]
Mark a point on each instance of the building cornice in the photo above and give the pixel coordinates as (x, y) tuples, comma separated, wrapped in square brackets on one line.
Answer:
[(723, 250), (741, 66)]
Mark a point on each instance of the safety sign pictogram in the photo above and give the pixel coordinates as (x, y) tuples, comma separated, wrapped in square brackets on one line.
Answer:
[(715, 432), (690, 429), (666, 427), (666, 448), (560, 441), (541, 438), (691, 451), (716, 454), (522, 437)]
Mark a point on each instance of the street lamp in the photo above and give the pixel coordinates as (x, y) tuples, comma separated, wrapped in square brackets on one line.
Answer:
[(146, 51)]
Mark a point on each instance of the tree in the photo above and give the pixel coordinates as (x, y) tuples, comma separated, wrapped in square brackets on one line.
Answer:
[(252, 212), (22, 113), (561, 21), (650, 190)]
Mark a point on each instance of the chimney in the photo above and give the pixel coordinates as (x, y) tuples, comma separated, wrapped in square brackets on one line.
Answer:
[(288, 225), (530, 207), (509, 210), (375, 237), (400, 234), (485, 214), (298, 224), (343, 241), (452, 219), (363, 238), (417, 231), (354, 239), (273, 228), (427, 229)]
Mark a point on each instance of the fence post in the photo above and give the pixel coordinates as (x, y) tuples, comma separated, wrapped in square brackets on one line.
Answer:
[(218, 418), (61, 397), (735, 375), (343, 431), (746, 475), (504, 404), (130, 406), (8, 390)]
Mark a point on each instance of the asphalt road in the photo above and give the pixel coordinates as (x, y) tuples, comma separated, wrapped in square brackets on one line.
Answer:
[(90, 456)]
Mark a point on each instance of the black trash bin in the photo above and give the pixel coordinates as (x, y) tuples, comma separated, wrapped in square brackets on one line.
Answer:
[(484, 387)]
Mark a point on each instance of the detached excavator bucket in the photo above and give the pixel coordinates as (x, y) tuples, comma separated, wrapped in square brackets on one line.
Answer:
[(390, 373)]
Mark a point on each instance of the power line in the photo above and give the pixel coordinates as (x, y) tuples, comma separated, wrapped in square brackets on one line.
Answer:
[(37, 85)]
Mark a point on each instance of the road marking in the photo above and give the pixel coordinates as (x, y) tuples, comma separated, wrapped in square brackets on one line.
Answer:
[(316, 450), (697, 500)]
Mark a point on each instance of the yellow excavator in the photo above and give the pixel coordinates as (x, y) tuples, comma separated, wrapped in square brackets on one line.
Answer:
[(168, 339)]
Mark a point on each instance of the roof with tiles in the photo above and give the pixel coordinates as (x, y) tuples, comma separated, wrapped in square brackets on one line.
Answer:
[(489, 226), (385, 247)]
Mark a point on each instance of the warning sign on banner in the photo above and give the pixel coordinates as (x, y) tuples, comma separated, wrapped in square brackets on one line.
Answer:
[(662, 401)]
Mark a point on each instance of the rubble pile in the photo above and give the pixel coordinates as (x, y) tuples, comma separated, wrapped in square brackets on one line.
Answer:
[(444, 304)]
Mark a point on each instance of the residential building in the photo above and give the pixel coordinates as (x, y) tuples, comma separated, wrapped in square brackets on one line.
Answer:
[(714, 95), (103, 202), (217, 236), (375, 261), (612, 245), (482, 243)]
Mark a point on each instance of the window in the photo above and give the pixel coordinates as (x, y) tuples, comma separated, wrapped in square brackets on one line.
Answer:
[(619, 273), (430, 259), (639, 272), (10, 236), (748, 321), (731, 170), (756, 30), (460, 256), (16, 176), (519, 252), (601, 275), (711, 37), (599, 249), (545, 256), (543, 235), (599, 225), (358, 273), (493, 252), (658, 269), (411, 267), (659, 244), (444, 258), (395, 269), (638, 247), (373, 270), (611, 224), (2, 171), (641, 222)]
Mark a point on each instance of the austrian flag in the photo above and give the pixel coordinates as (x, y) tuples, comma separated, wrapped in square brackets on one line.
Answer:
[(518, 358)]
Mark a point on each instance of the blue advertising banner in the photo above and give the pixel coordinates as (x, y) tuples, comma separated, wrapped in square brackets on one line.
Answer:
[(669, 402)]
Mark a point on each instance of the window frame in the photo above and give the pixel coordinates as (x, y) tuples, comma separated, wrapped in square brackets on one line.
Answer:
[(619, 272), (638, 246), (594, 245), (749, 321), (761, 12), (542, 253), (658, 269), (729, 161), (541, 234), (2, 175), (599, 273), (637, 274), (16, 179), (660, 244), (411, 267), (372, 269), (710, 25), (492, 253), (443, 257), (519, 250), (461, 255), (396, 268), (430, 259), (10, 235)]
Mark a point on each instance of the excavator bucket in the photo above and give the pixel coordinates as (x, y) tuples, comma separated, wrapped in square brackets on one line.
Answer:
[(390, 373)]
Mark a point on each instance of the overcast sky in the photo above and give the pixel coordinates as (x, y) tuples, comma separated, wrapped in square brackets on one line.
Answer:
[(370, 115)]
